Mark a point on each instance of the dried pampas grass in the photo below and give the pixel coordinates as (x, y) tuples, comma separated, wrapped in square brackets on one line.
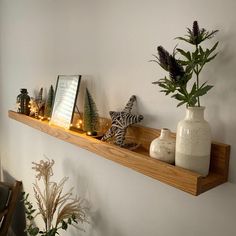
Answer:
[(57, 209)]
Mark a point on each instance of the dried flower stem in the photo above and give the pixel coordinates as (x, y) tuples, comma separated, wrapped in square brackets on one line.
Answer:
[(53, 205)]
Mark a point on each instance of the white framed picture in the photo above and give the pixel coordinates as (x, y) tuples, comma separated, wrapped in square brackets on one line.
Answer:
[(67, 89)]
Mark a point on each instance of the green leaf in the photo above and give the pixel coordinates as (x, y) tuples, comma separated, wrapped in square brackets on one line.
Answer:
[(214, 47), (155, 82), (203, 90), (183, 63), (162, 85), (32, 211), (178, 97), (193, 91), (181, 103), (154, 61), (183, 39), (185, 54), (52, 232), (211, 58), (188, 69), (201, 50), (210, 35), (195, 55), (207, 52), (155, 57), (192, 101), (64, 225), (29, 217), (34, 231), (74, 219)]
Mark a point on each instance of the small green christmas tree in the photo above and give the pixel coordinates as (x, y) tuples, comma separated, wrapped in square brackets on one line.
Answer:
[(90, 114), (49, 103), (40, 103), (39, 96)]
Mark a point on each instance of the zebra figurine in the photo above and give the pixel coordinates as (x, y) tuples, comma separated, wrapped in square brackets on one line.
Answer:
[(121, 121)]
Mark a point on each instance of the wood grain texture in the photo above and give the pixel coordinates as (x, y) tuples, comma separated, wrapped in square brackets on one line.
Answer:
[(139, 159)]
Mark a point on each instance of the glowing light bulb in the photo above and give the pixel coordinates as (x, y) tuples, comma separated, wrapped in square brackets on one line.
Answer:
[(79, 124)]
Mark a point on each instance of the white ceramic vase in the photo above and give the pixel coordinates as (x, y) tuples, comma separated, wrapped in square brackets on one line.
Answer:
[(193, 142), (163, 147)]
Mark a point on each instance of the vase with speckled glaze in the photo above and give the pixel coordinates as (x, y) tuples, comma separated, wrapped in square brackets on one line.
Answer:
[(193, 142), (163, 147)]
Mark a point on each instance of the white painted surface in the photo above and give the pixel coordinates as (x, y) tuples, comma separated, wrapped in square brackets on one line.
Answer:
[(110, 42)]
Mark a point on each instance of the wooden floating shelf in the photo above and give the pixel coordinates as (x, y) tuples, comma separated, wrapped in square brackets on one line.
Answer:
[(139, 159)]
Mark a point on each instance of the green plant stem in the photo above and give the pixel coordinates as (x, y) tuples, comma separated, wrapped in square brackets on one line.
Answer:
[(197, 74), (46, 197), (198, 99)]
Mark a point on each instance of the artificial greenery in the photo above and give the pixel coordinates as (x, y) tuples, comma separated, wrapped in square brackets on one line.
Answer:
[(190, 65), (57, 209), (40, 95), (90, 114), (49, 102)]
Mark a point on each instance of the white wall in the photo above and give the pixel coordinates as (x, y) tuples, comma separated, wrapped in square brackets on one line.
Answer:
[(110, 42)]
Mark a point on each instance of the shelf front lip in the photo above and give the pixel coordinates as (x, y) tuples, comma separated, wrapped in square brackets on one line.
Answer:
[(177, 177)]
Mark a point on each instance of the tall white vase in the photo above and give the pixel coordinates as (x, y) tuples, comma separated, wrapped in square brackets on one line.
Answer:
[(193, 142)]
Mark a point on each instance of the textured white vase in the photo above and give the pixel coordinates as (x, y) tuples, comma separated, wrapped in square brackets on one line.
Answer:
[(193, 142), (163, 147)]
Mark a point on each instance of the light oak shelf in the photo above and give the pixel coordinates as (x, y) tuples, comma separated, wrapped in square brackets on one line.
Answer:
[(139, 159)]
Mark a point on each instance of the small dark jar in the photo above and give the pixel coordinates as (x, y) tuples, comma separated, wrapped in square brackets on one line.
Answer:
[(23, 101)]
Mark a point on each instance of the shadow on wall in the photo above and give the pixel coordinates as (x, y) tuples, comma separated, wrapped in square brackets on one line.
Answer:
[(18, 221), (223, 98), (99, 223)]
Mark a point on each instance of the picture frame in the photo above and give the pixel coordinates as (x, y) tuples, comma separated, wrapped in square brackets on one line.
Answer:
[(66, 93)]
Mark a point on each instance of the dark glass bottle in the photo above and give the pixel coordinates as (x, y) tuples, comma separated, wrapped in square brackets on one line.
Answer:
[(23, 101)]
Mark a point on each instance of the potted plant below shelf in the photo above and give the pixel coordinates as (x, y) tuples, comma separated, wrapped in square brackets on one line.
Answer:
[(193, 139)]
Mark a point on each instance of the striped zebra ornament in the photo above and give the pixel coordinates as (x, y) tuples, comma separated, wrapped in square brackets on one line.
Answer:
[(120, 122)]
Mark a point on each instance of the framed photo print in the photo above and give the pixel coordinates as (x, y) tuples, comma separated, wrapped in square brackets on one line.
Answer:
[(67, 89)]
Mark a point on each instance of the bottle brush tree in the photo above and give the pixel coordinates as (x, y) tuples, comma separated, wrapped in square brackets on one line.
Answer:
[(90, 114), (49, 103)]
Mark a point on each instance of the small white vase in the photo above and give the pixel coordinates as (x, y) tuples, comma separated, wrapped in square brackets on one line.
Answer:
[(193, 142), (163, 147)]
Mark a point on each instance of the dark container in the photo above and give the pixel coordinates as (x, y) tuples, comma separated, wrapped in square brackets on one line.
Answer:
[(23, 100)]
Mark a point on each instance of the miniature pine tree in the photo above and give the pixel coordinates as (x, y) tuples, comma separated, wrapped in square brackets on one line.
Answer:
[(39, 104), (90, 114), (40, 95), (49, 103)]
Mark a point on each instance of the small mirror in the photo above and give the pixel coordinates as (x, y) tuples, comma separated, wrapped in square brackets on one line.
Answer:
[(65, 100)]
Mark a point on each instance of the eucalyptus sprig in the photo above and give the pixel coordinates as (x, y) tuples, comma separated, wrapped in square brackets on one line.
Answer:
[(181, 70)]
